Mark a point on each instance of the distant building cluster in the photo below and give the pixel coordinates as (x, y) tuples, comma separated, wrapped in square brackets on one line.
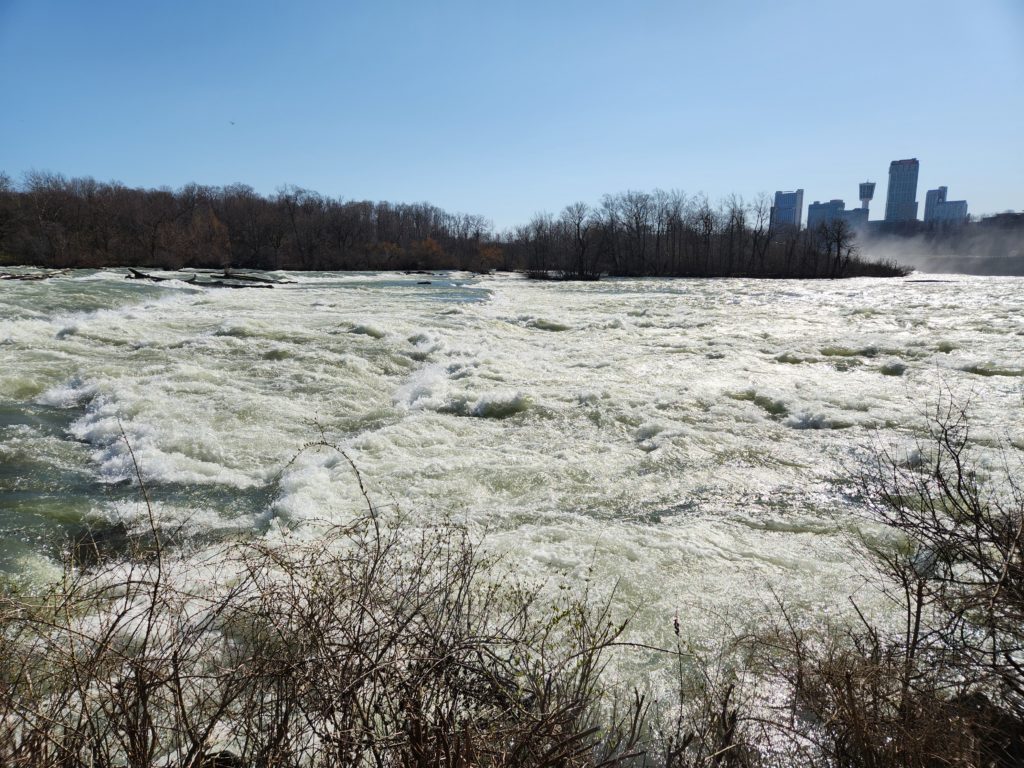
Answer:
[(900, 204)]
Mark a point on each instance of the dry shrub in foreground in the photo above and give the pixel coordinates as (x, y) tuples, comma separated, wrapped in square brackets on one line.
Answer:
[(375, 644), (369, 646), (431, 661), (940, 682)]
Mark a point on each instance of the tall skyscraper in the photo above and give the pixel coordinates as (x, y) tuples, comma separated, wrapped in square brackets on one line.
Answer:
[(788, 210), (901, 196)]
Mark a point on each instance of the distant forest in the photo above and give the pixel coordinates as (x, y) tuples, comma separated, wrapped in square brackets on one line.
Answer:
[(53, 221)]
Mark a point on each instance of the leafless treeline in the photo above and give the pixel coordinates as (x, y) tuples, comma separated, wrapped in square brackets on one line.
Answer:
[(49, 220), (671, 234)]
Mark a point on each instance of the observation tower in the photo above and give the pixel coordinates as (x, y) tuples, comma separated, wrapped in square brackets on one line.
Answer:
[(867, 192)]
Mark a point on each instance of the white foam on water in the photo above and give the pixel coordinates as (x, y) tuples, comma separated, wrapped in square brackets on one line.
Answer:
[(426, 344), (806, 420), (497, 404), (171, 519), (683, 437), (368, 329), (169, 452), (427, 388), (69, 394)]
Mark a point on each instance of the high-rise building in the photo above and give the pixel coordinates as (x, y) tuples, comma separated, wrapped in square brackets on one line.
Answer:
[(932, 198), (951, 212), (938, 209), (824, 213), (788, 210), (857, 218), (901, 196)]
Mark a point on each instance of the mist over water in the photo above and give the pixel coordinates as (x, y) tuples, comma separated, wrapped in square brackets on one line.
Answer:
[(694, 439), (978, 250)]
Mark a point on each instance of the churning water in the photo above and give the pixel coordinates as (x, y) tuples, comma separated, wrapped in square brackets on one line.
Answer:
[(694, 440)]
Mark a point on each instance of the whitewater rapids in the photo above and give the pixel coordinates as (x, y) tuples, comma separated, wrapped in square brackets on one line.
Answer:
[(694, 440)]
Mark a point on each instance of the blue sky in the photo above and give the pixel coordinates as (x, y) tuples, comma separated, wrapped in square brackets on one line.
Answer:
[(506, 109)]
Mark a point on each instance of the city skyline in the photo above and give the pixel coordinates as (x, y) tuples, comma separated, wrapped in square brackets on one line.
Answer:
[(901, 203)]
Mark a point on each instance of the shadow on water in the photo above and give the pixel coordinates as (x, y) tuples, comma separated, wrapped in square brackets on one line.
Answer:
[(45, 492), (238, 510), (51, 497)]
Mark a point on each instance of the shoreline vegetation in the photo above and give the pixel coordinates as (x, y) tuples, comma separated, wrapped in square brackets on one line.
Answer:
[(384, 642), (55, 222)]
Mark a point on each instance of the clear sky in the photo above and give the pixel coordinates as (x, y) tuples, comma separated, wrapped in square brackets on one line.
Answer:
[(509, 108)]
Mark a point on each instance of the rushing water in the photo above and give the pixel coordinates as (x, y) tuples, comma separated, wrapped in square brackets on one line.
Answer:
[(693, 439)]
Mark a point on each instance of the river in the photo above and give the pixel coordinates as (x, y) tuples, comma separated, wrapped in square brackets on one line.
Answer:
[(694, 441)]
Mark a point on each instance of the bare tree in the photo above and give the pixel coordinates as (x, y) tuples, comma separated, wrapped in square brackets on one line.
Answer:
[(578, 223), (837, 238), (760, 235)]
